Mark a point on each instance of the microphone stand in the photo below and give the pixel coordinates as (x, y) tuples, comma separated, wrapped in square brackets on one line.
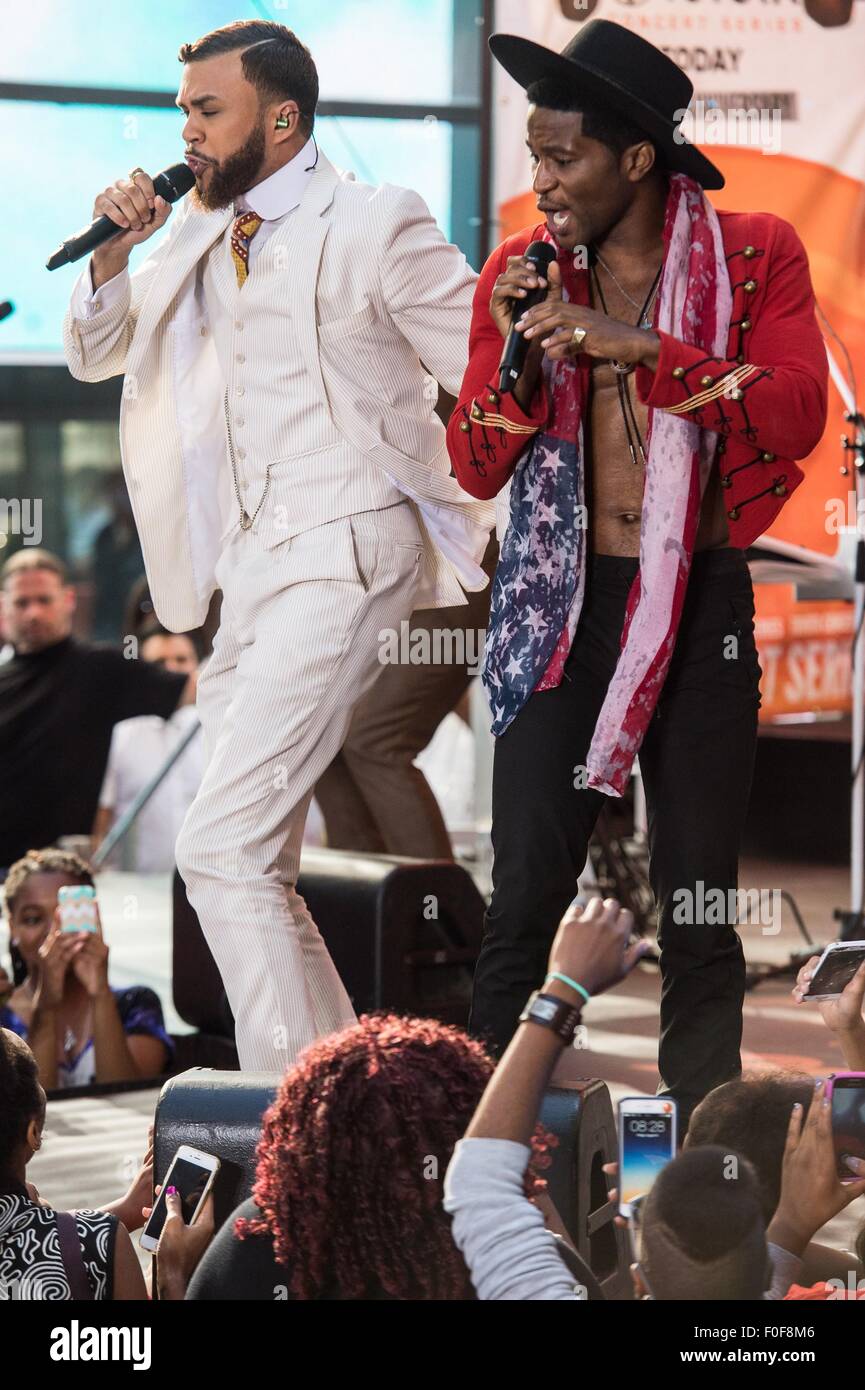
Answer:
[(851, 919)]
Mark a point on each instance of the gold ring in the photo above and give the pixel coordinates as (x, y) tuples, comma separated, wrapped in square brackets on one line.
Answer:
[(578, 337), (136, 170)]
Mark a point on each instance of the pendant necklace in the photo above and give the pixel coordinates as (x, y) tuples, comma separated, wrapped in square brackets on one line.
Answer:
[(623, 369)]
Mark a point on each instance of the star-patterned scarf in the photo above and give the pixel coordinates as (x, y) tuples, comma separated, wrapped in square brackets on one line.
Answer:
[(540, 581)]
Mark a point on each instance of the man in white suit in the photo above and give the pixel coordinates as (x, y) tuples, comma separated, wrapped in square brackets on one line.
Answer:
[(280, 443)]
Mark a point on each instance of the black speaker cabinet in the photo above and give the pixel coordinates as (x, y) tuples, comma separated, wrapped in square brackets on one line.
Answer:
[(580, 1115), (218, 1112), (403, 933)]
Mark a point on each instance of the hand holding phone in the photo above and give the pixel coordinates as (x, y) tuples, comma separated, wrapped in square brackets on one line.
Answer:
[(841, 1015), (180, 1246), (847, 1097), (811, 1193), (647, 1142), (593, 945), (55, 956), (835, 970), (191, 1175), (90, 961)]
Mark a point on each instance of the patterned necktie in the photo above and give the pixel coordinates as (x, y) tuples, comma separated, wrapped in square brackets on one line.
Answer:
[(244, 229)]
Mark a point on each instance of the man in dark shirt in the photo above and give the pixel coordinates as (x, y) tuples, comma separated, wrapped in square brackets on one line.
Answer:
[(59, 701)]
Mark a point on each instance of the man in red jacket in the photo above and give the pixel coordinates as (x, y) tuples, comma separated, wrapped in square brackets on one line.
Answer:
[(674, 372)]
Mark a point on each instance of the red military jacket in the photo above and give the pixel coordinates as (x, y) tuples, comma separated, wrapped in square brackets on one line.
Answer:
[(768, 417)]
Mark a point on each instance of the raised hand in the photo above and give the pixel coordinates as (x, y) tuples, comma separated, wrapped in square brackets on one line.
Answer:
[(55, 957), (552, 324), (811, 1191), (591, 945), (841, 1015), (138, 210)]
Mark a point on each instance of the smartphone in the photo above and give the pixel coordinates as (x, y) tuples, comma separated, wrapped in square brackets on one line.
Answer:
[(647, 1141), (192, 1173), (847, 1091), (77, 904), (835, 969)]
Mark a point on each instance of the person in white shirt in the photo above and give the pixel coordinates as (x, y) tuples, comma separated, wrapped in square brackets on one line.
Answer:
[(281, 348), (138, 748)]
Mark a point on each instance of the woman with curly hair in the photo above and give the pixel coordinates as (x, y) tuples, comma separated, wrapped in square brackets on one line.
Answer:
[(347, 1202)]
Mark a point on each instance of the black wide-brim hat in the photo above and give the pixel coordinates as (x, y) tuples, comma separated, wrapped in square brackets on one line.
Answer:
[(608, 64)]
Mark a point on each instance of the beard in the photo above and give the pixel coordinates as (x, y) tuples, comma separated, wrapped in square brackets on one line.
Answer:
[(233, 176)]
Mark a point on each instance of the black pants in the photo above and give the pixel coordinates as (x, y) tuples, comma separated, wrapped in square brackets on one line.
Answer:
[(697, 762)]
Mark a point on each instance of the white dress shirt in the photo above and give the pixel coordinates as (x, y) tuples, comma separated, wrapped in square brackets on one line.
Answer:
[(138, 748), (272, 199), (276, 196)]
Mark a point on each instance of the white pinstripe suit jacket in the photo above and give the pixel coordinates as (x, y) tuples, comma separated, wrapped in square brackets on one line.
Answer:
[(374, 291)]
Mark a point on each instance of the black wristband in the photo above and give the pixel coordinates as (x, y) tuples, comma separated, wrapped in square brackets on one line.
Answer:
[(553, 1013)]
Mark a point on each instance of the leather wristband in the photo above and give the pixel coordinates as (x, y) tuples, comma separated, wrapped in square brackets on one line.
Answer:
[(553, 1013)]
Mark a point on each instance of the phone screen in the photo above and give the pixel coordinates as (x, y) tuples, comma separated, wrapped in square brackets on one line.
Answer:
[(848, 1122), (647, 1144), (190, 1179), (837, 970)]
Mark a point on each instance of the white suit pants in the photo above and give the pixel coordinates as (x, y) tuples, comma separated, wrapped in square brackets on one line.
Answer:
[(297, 647)]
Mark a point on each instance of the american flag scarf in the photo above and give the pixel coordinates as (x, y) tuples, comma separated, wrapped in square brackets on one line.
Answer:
[(540, 581)]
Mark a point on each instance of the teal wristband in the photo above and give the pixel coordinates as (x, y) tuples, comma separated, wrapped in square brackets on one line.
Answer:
[(566, 980)]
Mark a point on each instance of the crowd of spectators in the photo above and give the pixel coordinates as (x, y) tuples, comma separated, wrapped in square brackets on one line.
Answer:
[(397, 1163)]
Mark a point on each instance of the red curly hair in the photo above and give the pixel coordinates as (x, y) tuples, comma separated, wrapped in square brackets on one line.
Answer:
[(352, 1159)]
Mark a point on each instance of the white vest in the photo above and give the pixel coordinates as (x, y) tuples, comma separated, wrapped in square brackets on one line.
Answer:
[(276, 415)]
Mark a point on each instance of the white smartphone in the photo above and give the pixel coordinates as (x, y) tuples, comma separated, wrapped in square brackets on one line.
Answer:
[(647, 1141), (835, 969), (192, 1173)]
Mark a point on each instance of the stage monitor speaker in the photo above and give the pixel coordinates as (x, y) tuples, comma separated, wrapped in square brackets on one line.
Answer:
[(220, 1112), (404, 934), (579, 1114)]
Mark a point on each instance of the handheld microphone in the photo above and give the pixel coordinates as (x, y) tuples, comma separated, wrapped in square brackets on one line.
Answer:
[(171, 184), (540, 253)]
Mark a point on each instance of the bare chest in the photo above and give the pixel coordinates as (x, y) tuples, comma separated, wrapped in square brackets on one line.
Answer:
[(615, 455)]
